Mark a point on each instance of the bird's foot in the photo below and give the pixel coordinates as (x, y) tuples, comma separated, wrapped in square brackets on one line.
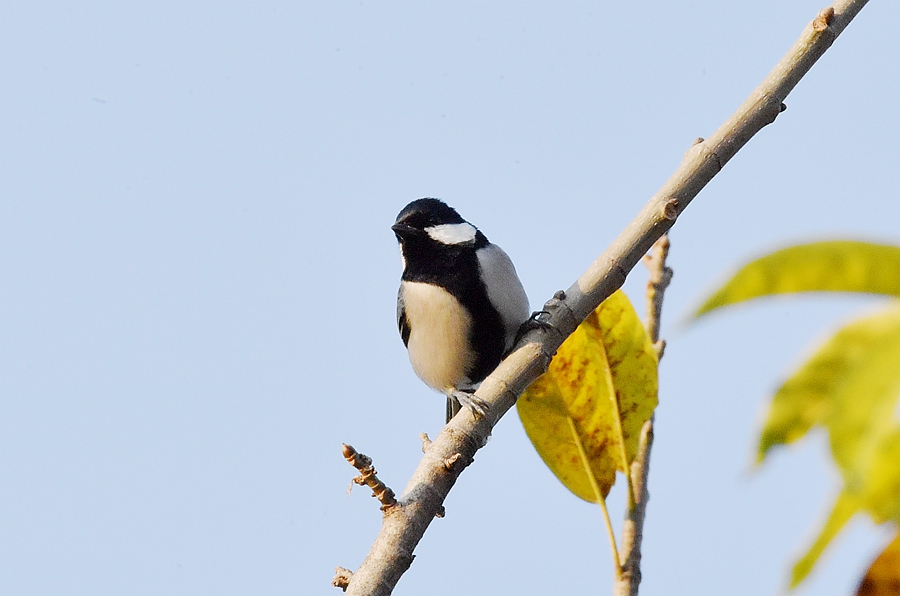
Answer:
[(540, 318), (476, 405), (533, 322)]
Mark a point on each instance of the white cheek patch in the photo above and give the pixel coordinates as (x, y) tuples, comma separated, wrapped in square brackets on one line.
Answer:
[(461, 233)]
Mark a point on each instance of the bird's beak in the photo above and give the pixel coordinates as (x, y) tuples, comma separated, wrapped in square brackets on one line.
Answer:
[(403, 231)]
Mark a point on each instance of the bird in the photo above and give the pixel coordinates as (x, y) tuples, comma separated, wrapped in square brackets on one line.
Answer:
[(460, 303)]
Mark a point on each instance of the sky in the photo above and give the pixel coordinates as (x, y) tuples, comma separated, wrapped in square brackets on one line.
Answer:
[(197, 303)]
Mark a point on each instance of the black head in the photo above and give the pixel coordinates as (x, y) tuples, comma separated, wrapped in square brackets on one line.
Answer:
[(427, 213), (431, 222), (433, 238)]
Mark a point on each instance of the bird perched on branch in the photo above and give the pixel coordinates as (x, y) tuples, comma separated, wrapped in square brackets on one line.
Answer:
[(460, 303)]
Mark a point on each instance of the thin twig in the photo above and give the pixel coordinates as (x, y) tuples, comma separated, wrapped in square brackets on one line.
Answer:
[(629, 581), (341, 578), (660, 276), (403, 526), (367, 476)]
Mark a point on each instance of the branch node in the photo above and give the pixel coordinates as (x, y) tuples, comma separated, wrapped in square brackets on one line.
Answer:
[(694, 150), (451, 461), (341, 578), (670, 209), (554, 303), (660, 348), (557, 303), (367, 476), (426, 442), (512, 395), (823, 20), (782, 107), (701, 151), (441, 512)]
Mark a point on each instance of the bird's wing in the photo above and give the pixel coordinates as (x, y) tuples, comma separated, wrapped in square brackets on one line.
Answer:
[(504, 289), (401, 317)]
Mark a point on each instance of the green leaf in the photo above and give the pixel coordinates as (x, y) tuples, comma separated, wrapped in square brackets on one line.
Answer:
[(833, 266), (863, 403), (880, 480), (878, 493), (844, 508), (851, 384), (591, 404)]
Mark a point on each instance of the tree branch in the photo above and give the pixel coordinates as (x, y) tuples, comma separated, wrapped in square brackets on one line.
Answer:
[(629, 580), (454, 448), (660, 276), (367, 477)]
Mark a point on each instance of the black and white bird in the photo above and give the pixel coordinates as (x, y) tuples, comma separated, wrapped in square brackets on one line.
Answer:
[(460, 303)]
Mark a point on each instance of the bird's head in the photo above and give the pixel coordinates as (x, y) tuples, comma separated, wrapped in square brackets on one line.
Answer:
[(431, 221)]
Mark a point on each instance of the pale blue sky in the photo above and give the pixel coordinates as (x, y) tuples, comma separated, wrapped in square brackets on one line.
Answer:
[(198, 280)]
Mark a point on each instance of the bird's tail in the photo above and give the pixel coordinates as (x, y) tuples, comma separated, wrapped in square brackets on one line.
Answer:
[(453, 406)]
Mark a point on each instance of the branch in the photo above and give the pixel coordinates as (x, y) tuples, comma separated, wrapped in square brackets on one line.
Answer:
[(367, 477), (341, 578), (454, 448), (633, 528), (659, 279)]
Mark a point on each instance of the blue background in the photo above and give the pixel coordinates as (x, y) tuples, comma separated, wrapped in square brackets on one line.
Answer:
[(198, 280)]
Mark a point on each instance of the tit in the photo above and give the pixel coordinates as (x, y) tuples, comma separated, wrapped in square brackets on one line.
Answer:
[(460, 303)]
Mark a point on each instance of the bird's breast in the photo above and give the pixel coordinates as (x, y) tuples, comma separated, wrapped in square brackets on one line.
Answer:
[(439, 347)]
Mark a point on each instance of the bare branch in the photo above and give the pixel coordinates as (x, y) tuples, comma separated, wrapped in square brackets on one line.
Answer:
[(629, 581), (633, 527), (367, 476), (659, 279), (341, 578), (404, 525)]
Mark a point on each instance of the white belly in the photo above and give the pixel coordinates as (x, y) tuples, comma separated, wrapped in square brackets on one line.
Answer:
[(438, 338)]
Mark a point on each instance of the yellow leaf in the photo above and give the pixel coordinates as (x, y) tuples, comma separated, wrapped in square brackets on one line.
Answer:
[(599, 391), (877, 492), (880, 480), (851, 384), (883, 577), (863, 402), (833, 266), (844, 508)]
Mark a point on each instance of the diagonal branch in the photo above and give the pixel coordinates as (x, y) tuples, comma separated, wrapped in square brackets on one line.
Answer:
[(367, 477), (454, 448)]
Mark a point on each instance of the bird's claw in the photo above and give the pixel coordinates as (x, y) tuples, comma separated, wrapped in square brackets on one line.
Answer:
[(474, 404), (533, 322)]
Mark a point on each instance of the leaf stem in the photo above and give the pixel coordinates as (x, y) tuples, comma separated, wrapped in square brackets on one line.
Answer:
[(601, 500)]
